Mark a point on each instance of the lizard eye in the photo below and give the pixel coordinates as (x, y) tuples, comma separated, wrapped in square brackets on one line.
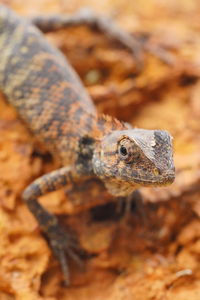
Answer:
[(127, 151), (123, 151)]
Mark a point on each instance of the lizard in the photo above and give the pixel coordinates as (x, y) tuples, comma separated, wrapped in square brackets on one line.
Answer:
[(39, 82)]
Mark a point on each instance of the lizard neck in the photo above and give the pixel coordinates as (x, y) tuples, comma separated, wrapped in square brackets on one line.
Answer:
[(91, 136), (96, 126)]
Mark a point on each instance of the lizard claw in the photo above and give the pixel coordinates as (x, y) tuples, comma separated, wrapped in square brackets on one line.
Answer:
[(64, 245), (64, 266)]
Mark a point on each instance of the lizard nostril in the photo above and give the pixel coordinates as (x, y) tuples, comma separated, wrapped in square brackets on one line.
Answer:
[(157, 172)]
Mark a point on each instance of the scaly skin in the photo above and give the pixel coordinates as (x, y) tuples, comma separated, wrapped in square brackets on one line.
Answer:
[(48, 95)]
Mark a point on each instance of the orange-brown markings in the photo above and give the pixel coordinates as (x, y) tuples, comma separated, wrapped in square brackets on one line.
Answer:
[(53, 102)]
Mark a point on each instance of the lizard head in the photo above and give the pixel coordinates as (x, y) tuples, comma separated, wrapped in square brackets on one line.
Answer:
[(128, 159)]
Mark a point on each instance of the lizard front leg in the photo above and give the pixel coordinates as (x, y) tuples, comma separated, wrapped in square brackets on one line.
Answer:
[(60, 242)]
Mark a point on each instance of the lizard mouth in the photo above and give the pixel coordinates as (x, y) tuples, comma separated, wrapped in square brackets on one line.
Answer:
[(125, 187), (159, 181)]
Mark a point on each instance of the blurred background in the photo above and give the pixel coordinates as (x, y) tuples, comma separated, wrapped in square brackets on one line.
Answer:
[(149, 255)]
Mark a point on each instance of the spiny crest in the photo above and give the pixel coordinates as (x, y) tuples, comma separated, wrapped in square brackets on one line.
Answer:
[(108, 123)]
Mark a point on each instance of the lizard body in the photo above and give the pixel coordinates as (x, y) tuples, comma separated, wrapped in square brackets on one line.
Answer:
[(48, 95)]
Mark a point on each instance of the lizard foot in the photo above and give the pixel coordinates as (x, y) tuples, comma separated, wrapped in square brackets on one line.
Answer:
[(64, 245)]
